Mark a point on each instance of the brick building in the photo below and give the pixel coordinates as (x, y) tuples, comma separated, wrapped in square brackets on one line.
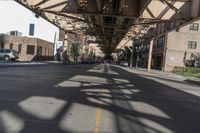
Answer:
[(29, 48), (174, 41), (180, 44), (172, 48), (68, 39)]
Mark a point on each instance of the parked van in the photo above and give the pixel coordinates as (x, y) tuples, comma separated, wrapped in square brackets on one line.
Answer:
[(8, 54)]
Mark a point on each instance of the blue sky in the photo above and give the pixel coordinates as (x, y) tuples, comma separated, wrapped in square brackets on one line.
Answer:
[(16, 17)]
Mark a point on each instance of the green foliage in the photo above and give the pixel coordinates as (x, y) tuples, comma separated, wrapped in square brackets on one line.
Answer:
[(194, 58), (94, 56), (108, 57), (188, 71), (74, 51)]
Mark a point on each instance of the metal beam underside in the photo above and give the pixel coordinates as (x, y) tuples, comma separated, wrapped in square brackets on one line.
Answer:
[(109, 20)]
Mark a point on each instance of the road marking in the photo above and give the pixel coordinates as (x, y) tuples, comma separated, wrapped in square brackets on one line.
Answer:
[(98, 119)]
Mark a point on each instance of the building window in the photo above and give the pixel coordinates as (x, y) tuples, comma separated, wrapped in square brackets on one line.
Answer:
[(39, 50), (160, 41), (194, 26), (51, 52), (31, 29), (192, 45), (19, 48), (2, 45), (30, 49), (45, 51), (11, 46)]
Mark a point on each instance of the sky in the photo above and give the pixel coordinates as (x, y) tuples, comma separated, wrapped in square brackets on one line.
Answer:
[(16, 17)]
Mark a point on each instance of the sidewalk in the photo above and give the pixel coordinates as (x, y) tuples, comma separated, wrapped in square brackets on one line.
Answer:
[(164, 75), (193, 80), (20, 63), (8, 64)]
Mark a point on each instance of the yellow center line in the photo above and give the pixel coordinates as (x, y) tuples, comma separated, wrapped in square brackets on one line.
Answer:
[(98, 118)]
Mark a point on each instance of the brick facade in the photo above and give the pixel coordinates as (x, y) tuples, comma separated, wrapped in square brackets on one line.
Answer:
[(43, 50), (177, 46), (172, 48)]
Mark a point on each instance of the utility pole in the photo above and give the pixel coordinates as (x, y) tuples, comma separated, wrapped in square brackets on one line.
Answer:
[(137, 59)]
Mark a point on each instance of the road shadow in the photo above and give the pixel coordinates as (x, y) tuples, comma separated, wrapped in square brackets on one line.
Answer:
[(132, 99)]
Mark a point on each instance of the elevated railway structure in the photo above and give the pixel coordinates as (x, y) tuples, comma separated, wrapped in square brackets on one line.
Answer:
[(110, 21)]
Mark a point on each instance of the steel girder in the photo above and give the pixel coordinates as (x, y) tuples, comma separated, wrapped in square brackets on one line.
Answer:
[(108, 20)]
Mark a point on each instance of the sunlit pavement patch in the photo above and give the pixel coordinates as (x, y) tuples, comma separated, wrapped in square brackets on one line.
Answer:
[(91, 84), (89, 79), (96, 90), (146, 108), (102, 101), (10, 122), (45, 108), (118, 80), (78, 119), (152, 126), (108, 122), (130, 85), (127, 91), (68, 84), (103, 70)]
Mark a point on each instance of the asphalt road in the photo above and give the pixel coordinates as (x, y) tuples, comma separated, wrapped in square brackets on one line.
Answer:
[(95, 99)]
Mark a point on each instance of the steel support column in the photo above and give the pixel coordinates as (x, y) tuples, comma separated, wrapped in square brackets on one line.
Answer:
[(150, 56), (131, 59)]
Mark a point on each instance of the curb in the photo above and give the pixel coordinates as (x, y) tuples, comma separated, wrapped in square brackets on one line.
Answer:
[(193, 81)]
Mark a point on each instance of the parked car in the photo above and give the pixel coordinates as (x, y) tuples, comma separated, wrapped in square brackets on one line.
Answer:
[(84, 62), (8, 54)]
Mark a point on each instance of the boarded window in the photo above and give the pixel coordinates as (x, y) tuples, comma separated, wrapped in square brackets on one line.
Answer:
[(30, 49)]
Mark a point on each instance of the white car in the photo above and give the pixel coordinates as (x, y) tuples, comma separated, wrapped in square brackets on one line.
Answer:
[(8, 54)]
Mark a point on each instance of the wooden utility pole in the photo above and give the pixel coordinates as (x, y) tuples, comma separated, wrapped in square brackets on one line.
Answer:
[(150, 56)]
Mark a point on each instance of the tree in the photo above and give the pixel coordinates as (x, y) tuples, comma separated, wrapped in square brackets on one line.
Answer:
[(94, 56), (74, 51), (194, 60)]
